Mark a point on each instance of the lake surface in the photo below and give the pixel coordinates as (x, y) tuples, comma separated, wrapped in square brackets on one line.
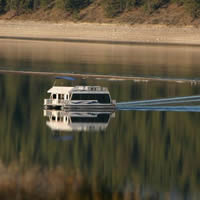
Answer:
[(122, 155)]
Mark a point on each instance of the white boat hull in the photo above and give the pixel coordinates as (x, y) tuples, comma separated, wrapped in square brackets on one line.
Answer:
[(81, 107)]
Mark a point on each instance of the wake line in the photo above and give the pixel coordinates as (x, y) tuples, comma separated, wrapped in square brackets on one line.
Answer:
[(162, 104), (185, 99), (103, 77), (162, 108)]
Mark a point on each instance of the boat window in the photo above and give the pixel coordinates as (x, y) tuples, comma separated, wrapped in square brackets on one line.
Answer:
[(67, 96), (101, 98), (60, 96), (53, 118), (54, 96)]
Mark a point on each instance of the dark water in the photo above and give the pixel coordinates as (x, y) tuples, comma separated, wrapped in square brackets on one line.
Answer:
[(121, 155)]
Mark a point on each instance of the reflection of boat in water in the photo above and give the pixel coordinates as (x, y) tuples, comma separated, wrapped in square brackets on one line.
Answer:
[(77, 121), (79, 97)]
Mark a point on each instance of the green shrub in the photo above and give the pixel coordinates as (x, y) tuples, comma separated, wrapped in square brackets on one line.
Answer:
[(114, 7), (152, 5), (60, 4), (111, 7), (193, 6), (74, 5), (179, 2)]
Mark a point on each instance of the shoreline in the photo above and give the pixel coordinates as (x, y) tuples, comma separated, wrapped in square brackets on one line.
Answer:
[(100, 33), (99, 41), (101, 76)]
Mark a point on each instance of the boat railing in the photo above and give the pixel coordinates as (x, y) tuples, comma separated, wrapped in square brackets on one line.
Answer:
[(48, 101), (55, 101), (89, 88)]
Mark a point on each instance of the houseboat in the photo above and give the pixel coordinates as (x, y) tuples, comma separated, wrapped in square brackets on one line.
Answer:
[(61, 121), (79, 97)]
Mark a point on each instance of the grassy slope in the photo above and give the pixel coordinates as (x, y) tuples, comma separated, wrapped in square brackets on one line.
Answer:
[(171, 14)]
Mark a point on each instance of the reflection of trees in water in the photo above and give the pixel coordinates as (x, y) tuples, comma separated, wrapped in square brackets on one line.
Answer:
[(34, 183), (148, 148)]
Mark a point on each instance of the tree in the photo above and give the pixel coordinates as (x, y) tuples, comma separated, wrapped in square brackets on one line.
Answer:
[(112, 7), (2, 6), (76, 4), (152, 5)]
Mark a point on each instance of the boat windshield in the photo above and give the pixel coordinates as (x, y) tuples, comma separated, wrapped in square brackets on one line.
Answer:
[(101, 98)]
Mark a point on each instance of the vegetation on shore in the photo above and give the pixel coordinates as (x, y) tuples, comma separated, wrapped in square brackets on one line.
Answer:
[(110, 8)]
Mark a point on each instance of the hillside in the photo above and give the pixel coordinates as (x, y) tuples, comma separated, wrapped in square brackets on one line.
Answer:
[(96, 11)]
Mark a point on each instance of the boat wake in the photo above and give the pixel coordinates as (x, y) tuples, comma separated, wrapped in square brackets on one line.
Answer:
[(162, 108), (176, 104)]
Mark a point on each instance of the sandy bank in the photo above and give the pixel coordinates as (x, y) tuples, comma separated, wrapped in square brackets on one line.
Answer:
[(102, 33)]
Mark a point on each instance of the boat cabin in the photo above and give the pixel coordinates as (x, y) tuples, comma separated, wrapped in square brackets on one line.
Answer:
[(60, 93), (79, 95)]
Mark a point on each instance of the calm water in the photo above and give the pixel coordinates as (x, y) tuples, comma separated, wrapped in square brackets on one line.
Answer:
[(129, 155)]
